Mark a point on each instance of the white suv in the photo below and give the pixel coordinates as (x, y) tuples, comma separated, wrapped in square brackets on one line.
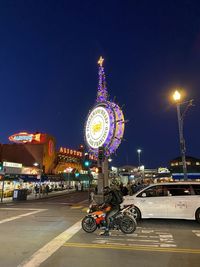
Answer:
[(176, 200)]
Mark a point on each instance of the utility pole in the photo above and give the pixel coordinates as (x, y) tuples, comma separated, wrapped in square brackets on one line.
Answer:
[(180, 116)]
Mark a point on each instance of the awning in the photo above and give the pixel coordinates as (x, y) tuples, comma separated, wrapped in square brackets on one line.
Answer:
[(32, 178), (82, 177)]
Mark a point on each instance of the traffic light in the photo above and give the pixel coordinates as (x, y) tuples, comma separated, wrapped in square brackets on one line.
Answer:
[(77, 174), (101, 153), (86, 161), (1, 166)]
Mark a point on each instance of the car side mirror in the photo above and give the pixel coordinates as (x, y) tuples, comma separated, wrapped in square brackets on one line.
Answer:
[(144, 194)]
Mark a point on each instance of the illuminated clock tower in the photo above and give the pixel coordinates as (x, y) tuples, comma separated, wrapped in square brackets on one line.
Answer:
[(104, 127)]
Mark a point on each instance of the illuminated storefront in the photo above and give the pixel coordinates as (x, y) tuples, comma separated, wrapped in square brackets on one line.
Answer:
[(36, 156)]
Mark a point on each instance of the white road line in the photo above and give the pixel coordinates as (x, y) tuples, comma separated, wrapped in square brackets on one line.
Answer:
[(47, 250), (21, 209), (196, 232), (21, 216)]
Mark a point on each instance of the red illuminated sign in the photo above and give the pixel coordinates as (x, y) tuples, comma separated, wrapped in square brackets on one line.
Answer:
[(51, 147), (24, 137)]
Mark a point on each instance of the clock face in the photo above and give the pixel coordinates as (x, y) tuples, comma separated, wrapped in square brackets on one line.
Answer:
[(97, 127)]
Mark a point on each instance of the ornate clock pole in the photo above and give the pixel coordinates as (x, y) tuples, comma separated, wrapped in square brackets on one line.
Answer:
[(104, 128)]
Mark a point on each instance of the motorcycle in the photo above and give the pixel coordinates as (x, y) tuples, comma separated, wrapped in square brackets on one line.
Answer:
[(122, 220)]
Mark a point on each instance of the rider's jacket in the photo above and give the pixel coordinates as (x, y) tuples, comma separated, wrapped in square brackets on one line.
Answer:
[(110, 199)]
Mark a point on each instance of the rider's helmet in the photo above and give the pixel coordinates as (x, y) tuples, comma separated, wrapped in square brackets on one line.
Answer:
[(106, 190)]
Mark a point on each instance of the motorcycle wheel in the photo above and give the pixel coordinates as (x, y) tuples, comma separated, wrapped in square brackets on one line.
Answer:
[(127, 224), (89, 224)]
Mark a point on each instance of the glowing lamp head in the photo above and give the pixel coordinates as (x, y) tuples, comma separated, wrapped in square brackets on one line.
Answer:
[(139, 151), (176, 96)]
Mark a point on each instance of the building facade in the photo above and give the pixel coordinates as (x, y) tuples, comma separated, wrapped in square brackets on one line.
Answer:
[(193, 168)]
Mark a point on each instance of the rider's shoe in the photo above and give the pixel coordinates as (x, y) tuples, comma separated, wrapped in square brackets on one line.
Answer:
[(105, 233)]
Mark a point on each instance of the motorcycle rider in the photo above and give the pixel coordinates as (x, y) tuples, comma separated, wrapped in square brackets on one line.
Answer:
[(110, 200)]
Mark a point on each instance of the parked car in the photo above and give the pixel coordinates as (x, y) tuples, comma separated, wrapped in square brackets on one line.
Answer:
[(175, 200)]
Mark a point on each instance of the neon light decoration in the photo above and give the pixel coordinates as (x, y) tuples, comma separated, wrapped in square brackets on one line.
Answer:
[(105, 122), (24, 137), (51, 148)]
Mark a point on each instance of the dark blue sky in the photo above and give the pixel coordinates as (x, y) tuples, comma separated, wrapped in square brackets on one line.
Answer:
[(49, 75)]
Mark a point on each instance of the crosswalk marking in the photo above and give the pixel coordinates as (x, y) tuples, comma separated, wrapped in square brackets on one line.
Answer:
[(196, 232), (142, 236), (33, 211)]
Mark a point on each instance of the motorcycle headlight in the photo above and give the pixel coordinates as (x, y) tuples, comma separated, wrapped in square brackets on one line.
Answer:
[(88, 210)]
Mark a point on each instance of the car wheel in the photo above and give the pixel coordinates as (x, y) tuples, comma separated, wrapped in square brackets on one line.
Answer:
[(197, 215), (136, 213)]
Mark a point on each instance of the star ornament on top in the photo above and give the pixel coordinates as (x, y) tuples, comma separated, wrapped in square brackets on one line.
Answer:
[(100, 61)]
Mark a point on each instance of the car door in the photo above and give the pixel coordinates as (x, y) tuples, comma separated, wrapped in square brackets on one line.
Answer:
[(180, 201), (152, 202)]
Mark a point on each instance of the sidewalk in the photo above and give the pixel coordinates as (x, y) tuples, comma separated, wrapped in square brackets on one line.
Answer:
[(33, 197)]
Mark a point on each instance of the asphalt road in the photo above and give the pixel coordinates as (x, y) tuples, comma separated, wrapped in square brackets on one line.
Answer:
[(47, 232)]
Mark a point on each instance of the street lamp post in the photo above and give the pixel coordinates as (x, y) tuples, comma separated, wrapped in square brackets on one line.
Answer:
[(180, 116), (39, 177), (139, 152)]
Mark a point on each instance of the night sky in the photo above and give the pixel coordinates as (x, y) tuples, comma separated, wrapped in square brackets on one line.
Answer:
[(49, 74)]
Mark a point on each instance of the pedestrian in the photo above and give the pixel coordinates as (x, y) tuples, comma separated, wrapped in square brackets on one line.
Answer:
[(96, 190), (124, 191), (43, 189), (121, 187), (92, 196), (47, 189), (129, 187), (36, 188), (134, 187)]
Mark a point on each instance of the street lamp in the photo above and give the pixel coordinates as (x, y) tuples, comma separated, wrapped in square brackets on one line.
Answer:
[(180, 116), (139, 152), (39, 176)]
